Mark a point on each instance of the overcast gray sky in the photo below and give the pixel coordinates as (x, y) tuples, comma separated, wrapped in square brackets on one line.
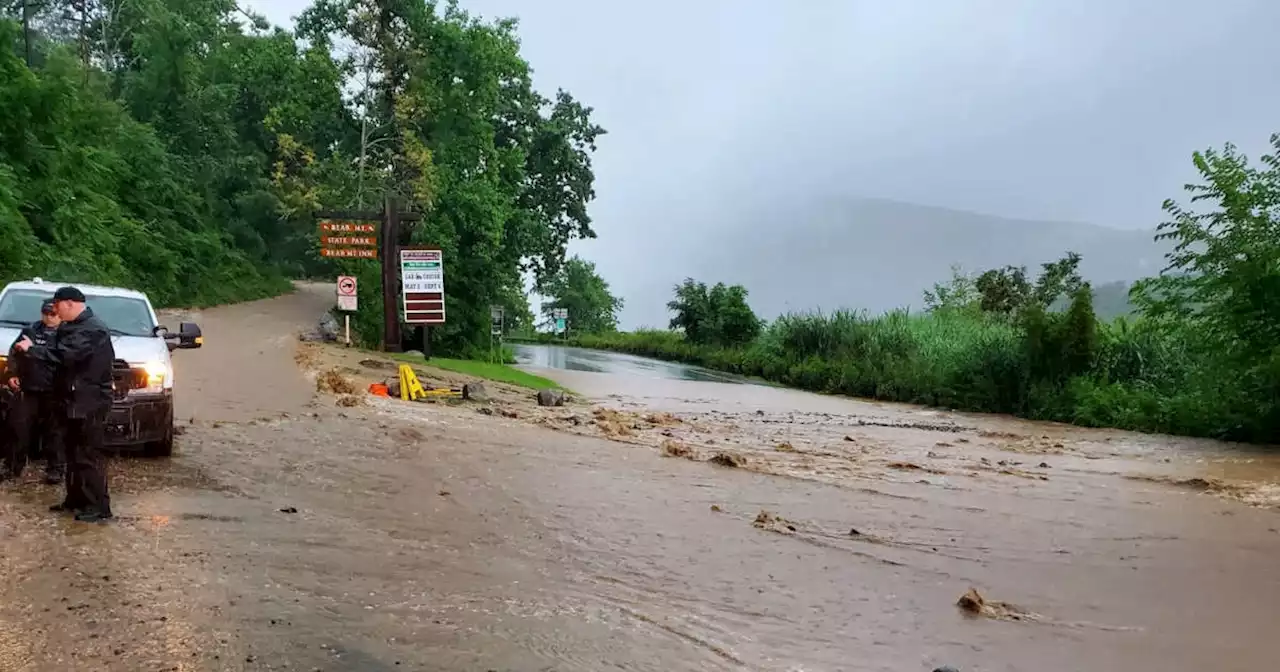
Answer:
[(1083, 110)]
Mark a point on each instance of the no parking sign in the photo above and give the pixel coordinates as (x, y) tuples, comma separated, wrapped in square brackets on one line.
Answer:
[(347, 293)]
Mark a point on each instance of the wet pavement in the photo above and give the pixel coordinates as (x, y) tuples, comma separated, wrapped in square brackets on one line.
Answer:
[(293, 533), (616, 364)]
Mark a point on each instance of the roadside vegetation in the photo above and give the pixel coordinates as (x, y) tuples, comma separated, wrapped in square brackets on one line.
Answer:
[(494, 371), (1199, 356), (182, 148)]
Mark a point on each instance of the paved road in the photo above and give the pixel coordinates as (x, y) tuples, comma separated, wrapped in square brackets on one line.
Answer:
[(619, 364), (293, 533)]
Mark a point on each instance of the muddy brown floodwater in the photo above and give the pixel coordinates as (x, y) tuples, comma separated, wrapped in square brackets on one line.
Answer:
[(655, 525)]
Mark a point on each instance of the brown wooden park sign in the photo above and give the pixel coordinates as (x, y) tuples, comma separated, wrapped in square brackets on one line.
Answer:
[(378, 235)]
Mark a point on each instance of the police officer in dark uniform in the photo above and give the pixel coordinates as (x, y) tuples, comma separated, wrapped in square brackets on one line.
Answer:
[(36, 412), (83, 355)]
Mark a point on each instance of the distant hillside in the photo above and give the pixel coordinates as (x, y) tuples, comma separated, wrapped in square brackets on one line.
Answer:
[(1111, 300), (879, 255)]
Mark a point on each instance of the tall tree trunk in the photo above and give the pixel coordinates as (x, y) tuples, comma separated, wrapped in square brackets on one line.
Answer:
[(26, 30)]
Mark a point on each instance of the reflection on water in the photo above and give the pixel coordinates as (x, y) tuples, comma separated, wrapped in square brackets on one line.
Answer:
[(599, 361)]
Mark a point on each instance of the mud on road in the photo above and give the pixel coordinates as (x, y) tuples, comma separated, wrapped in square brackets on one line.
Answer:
[(701, 527)]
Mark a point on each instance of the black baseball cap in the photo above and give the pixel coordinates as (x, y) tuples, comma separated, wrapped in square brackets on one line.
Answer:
[(68, 294), (46, 307)]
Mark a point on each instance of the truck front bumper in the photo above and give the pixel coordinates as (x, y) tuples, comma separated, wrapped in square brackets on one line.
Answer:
[(140, 419)]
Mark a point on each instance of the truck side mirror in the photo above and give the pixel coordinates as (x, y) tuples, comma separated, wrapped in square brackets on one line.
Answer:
[(189, 336)]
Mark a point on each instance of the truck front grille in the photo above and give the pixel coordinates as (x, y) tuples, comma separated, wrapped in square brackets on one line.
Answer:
[(125, 378)]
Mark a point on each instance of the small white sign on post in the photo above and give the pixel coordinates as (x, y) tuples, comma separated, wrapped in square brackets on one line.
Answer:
[(347, 301), (347, 295)]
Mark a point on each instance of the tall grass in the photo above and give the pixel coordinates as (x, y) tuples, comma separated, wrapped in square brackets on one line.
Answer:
[(1139, 377)]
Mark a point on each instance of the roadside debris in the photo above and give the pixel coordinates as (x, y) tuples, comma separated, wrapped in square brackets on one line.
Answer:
[(924, 426), (676, 449), (334, 381), (662, 419), (973, 603), (551, 398), (410, 435), (475, 392), (773, 523), (325, 331), (728, 460)]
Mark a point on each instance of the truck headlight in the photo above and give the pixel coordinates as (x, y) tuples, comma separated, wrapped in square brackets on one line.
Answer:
[(159, 377)]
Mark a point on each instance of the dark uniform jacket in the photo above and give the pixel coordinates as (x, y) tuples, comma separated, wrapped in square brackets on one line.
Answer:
[(84, 355), (33, 374)]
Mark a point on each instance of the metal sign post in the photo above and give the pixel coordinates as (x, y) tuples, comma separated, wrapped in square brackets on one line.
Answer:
[(348, 301), (496, 314)]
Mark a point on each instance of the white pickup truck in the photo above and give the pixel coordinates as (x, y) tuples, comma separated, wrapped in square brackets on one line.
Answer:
[(142, 413)]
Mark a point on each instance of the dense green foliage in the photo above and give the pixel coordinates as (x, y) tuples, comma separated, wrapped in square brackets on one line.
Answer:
[(91, 193), (182, 147), (579, 289), (1202, 357), (716, 316)]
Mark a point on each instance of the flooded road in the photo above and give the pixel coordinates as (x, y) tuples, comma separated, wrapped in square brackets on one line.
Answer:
[(614, 363), (660, 525)]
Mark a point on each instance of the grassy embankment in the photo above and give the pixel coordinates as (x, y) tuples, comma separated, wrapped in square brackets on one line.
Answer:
[(1135, 377), (501, 373)]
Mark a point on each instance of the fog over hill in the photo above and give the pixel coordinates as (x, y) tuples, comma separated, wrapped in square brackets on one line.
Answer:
[(879, 255)]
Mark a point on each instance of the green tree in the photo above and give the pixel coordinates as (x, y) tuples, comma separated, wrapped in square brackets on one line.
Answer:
[(716, 316), (577, 287), (960, 293), (1221, 286), (1223, 275), (1006, 291), (517, 317), (449, 122), (96, 196)]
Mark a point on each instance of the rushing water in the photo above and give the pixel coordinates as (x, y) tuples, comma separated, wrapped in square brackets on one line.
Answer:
[(757, 528)]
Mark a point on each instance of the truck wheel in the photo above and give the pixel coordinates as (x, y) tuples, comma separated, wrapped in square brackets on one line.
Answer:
[(161, 448)]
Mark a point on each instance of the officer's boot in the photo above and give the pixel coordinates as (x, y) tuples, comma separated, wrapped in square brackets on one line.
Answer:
[(55, 473)]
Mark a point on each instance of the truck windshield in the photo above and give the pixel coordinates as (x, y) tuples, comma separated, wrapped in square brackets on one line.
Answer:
[(123, 315)]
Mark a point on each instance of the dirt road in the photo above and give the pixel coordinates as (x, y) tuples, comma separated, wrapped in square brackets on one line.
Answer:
[(292, 533)]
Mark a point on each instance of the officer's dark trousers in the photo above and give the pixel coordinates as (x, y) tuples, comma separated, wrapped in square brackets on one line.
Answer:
[(36, 419), (87, 464)]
